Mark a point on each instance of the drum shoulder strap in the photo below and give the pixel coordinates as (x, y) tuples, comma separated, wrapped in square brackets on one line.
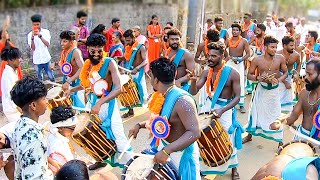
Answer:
[(104, 69), (133, 57), (223, 80), (316, 47), (179, 56), (69, 58)]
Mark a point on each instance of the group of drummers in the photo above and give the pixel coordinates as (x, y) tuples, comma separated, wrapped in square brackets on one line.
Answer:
[(189, 138)]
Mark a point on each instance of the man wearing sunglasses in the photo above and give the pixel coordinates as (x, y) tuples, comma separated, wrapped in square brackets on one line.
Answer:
[(248, 26)]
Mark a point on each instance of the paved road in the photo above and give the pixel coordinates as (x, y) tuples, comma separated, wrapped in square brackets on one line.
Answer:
[(253, 155)]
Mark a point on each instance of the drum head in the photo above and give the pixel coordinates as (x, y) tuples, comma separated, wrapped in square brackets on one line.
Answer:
[(99, 87), (204, 120), (139, 168), (297, 149), (124, 79), (83, 120), (54, 92)]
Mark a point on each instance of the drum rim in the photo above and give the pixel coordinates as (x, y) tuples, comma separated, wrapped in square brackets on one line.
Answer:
[(212, 123), (297, 141), (96, 157), (156, 167)]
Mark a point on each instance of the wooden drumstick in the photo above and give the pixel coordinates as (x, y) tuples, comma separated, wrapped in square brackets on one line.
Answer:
[(125, 69), (53, 83), (126, 148), (304, 136)]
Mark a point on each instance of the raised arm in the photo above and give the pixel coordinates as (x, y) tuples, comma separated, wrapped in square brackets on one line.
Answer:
[(196, 86), (4, 30)]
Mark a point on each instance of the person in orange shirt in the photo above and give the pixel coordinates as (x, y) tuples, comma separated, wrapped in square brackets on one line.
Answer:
[(6, 43), (154, 35)]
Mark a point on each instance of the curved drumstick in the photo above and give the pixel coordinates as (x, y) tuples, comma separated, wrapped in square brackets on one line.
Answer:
[(53, 83), (125, 69), (304, 136), (126, 148)]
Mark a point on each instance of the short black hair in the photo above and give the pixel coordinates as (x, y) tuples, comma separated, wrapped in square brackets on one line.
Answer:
[(128, 33), (163, 70), (61, 113), (316, 64), (81, 14), (96, 40), (217, 19), (289, 25), (262, 27), (4, 54), (170, 23), (209, 20), (36, 18), (248, 14), (173, 32), (114, 20), (287, 39), (27, 90), (281, 19), (68, 35), (236, 25), (213, 35), (117, 34), (98, 29), (219, 46), (313, 34), (73, 170), (269, 39), (14, 53)]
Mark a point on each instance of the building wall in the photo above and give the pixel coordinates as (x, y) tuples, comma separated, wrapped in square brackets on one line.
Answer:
[(59, 18)]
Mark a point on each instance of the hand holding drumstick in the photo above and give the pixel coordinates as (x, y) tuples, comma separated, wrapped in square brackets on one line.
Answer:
[(191, 75)]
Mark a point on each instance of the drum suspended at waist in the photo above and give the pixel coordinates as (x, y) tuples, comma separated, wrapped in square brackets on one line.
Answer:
[(143, 167), (285, 154), (89, 135), (214, 143)]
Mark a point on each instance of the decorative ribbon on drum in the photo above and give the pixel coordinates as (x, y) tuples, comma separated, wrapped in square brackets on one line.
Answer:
[(66, 69), (160, 128), (316, 123)]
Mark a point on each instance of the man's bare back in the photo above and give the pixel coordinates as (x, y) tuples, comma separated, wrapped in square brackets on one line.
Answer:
[(186, 104)]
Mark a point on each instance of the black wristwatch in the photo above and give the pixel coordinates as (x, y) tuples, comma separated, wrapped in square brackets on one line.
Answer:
[(40, 36)]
